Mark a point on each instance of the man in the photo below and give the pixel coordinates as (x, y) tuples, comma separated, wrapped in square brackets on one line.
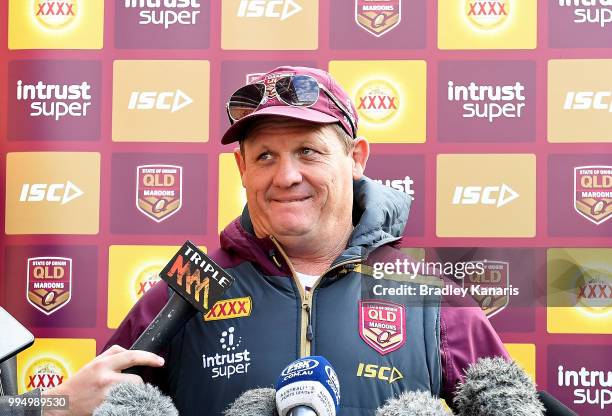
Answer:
[(302, 254)]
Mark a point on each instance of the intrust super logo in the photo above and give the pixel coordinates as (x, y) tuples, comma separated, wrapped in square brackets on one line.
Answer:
[(581, 377), (230, 308), (56, 24), (579, 100), (57, 100), (52, 193), (589, 12), (472, 95), (234, 357), (389, 96), (593, 192), (402, 185), (490, 195), (161, 101), (158, 190), (486, 101), (165, 13), (297, 19), (49, 283)]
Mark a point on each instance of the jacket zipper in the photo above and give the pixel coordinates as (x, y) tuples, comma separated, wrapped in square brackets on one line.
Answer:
[(306, 330)]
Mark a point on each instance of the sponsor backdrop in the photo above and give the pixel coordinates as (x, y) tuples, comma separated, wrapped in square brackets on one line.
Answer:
[(494, 116)]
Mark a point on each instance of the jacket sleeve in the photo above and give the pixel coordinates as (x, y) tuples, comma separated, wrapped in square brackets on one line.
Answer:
[(465, 336)]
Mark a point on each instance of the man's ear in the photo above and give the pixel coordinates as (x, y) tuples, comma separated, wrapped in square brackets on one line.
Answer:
[(360, 153), (240, 163)]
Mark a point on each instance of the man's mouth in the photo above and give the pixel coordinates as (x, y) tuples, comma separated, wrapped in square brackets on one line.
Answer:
[(290, 200)]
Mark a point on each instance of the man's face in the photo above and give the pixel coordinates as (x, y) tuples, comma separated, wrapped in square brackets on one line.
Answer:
[(298, 179)]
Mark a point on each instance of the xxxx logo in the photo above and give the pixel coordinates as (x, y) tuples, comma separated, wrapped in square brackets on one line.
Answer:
[(230, 308), (378, 101), (55, 14), (45, 374), (487, 14), (487, 8)]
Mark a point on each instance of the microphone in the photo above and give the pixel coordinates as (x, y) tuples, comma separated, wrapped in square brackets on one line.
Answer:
[(255, 402), (128, 399), (308, 387), (553, 406), (496, 387), (198, 283), (413, 403)]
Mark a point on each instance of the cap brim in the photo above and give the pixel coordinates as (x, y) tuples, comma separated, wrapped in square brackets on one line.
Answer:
[(236, 131)]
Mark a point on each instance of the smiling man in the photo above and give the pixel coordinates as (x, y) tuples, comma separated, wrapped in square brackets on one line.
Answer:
[(302, 254)]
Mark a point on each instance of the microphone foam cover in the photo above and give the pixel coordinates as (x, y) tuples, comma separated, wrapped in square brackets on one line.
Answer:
[(496, 387), (413, 403), (255, 402), (129, 399)]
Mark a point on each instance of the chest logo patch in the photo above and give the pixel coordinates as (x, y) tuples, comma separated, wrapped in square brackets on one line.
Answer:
[(382, 325)]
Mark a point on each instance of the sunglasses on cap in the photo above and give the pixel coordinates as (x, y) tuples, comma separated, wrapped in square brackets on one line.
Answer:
[(292, 90)]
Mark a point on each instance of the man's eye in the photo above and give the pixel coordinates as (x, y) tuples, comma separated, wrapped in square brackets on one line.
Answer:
[(306, 151), (264, 156)]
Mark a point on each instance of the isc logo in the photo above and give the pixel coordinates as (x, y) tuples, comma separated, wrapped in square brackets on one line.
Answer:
[(278, 9), (387, 374), (153, 100), (586, 100), (485, 195), (55, 192)]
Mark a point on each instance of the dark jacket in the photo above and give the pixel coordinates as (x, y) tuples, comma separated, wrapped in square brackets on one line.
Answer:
[(378, 345)]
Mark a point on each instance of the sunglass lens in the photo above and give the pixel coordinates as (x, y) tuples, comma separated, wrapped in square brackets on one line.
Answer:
[(245, 101), (298, 90)]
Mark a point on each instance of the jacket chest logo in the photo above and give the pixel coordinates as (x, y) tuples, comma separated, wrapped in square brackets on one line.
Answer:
[(382, 325)]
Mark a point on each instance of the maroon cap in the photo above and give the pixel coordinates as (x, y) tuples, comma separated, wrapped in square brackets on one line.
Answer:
[(323, 111)]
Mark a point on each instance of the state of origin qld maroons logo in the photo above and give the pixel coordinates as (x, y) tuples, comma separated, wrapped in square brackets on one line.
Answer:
[(593, 192), (378, 17), (158, 190), (382, 325), (49, 283)]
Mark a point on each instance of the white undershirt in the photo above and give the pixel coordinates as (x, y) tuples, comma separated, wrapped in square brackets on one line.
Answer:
[(307, 280)]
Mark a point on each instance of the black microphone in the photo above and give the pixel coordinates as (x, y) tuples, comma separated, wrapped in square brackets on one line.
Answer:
[(198, 283), (413, 403), (553, 406), (255, 402), (496, 387), (128, 399)]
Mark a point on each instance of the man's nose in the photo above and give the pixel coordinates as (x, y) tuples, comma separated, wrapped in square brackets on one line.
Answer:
[(287, 173)]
